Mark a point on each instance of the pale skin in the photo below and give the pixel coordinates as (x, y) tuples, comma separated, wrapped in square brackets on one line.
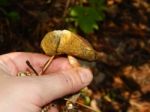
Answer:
[(30, 94)]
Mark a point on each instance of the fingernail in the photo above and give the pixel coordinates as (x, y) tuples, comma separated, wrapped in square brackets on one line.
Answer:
[(86, 76)]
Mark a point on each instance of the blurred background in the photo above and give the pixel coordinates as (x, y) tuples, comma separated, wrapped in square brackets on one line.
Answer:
[(120, 28)]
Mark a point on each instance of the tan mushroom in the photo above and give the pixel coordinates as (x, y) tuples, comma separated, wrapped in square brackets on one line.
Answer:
[(65, 42)]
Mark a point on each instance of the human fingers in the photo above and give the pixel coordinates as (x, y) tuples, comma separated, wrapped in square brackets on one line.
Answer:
[(44, 89), (63, 83), (16, 62)]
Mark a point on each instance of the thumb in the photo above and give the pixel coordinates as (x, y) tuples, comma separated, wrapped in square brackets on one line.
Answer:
[(58, 84)]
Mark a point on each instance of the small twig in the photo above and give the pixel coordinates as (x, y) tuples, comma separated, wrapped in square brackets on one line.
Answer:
[(31, 67), (66, 8), (46, 65)]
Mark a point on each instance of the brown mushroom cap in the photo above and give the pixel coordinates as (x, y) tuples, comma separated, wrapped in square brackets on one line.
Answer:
[(65, 42)]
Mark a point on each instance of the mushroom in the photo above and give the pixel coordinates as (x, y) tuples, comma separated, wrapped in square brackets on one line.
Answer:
[(65, 42)]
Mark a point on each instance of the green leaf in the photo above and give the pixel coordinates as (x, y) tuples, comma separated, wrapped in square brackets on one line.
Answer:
[(77, 11), (86, 17)]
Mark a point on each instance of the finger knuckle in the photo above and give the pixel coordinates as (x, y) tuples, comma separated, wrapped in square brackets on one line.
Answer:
[(70, 81)]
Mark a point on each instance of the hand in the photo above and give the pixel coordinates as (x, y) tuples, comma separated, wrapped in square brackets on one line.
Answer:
[(30, 94)]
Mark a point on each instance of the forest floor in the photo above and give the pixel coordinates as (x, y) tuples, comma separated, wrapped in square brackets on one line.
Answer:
[(124, 34)]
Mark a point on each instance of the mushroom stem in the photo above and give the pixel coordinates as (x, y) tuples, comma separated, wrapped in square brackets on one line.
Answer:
[(46, 65), (73, 61)]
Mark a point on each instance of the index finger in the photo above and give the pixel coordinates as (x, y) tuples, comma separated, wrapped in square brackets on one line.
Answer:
[(16, 62)]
